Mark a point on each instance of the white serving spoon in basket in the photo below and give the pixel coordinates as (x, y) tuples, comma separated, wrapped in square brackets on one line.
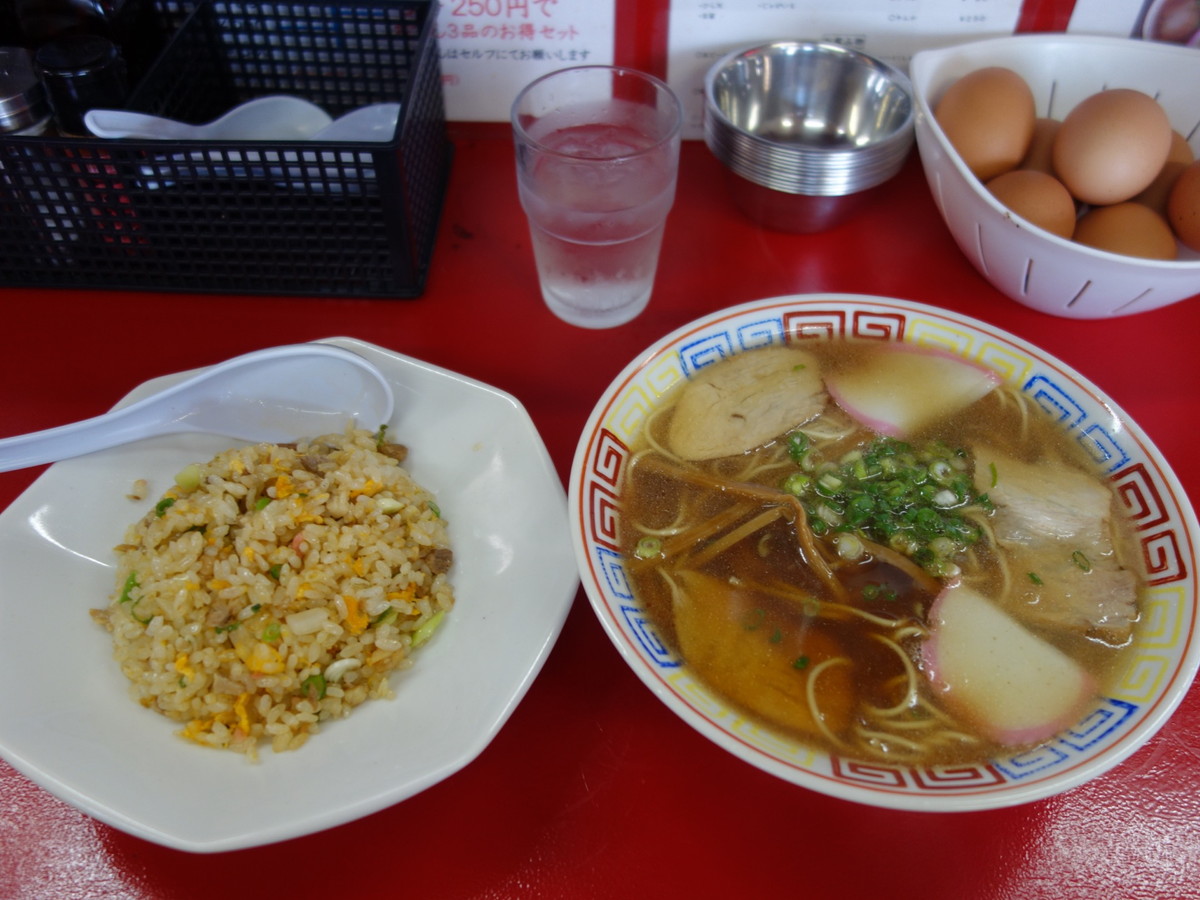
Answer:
[(279, 117), (376, 122), (279, 394)]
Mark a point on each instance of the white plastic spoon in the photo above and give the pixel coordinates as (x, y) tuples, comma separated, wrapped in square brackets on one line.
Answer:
[(279, 117), (376, 122), (279, 394)]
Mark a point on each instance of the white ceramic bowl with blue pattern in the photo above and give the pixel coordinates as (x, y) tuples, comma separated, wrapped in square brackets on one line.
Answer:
[(1156, 670)]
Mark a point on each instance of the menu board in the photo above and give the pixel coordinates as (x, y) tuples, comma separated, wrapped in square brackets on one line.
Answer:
[(490, 49), (701, 31)]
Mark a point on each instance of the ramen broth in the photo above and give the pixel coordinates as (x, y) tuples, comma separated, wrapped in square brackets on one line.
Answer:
[(815, 641)]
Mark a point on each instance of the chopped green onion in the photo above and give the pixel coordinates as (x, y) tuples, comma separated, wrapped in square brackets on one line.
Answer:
[(160, 508), (797, 446), (1081, 560), (262, 502), (849, 546), (386, 616), (801, 662), (940, 471), (830, 482), (275, 571), (188, 478), (381, 437), (222, 629), (131, 581), (314, 687), (797, 484), (904, 496), (851, 456), (1033, 576), (875, 591), (831, 515), (388, 505), (945, 499), (127, 597), (423, 633), (271, 634), (648, 548), (435, 509)]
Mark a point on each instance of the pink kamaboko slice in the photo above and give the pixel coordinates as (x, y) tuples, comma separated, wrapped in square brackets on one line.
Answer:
[(1018, 688), (900, 392)]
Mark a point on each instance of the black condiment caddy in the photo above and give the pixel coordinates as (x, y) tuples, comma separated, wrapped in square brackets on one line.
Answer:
[(266, 217)]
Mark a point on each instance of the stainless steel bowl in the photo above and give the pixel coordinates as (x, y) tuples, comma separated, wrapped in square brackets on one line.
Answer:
[(798, 123)]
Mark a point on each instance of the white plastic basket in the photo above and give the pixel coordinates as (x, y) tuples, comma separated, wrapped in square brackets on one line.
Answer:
[(1029, 264)]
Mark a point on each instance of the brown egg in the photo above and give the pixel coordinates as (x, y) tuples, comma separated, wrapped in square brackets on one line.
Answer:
[(1111, 146), (1038, 198), (1127, 228), (1038, 156), (1178, 159), (1183, 206), (987, 115)]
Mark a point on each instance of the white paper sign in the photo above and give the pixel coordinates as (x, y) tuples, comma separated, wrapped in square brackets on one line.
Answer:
[(701, 31), (490, 49)]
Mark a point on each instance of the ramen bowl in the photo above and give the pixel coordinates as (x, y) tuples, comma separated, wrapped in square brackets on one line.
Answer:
[(1027, 263), (1155, 670), (806, 130)]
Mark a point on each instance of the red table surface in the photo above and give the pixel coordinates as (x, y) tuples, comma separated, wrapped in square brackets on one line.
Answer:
[(594, 788)]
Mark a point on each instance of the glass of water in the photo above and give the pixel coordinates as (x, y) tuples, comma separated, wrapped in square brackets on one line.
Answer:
[(597, 151)]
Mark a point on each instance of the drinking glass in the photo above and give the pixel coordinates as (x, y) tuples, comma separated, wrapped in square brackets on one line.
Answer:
[(597, 151)]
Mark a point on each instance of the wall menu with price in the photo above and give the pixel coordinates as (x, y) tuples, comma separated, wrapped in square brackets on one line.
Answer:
[(490, 49)]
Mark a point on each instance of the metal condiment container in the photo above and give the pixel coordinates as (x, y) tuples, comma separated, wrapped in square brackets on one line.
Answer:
[(23, 106), (81, 72)]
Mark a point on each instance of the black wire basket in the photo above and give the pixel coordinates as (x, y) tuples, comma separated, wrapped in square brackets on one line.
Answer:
[(355, 219)]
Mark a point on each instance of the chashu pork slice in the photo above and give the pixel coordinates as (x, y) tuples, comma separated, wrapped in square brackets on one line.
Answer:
[(1056, 524), (743, 402)]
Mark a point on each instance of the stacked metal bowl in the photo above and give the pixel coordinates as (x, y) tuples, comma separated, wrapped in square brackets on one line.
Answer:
[(805, 129)]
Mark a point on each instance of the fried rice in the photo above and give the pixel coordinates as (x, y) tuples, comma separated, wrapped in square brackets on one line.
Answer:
[(278, 586)]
